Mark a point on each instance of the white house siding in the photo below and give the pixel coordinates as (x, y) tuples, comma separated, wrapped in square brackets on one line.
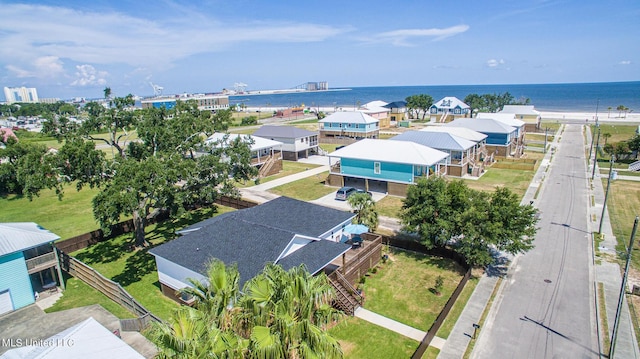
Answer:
[(174, 275)]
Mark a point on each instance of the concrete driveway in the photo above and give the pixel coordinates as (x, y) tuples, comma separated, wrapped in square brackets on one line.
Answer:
[(331, 201)]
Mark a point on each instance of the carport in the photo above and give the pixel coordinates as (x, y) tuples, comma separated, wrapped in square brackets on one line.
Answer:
[(366, 184)]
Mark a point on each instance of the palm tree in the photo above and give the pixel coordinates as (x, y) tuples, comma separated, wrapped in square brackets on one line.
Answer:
[(620, 108), (365, 209), (280, 314), (606, 136), (288, 312), (609, 114)]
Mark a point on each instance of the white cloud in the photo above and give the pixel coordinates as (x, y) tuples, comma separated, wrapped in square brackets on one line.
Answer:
[(18, 72), (87, 75), (495, 63), (402, 37), (30, 31), (625, 62), (48, 66)]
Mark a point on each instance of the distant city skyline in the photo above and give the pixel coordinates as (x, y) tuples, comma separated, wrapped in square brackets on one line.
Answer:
[(79, 48)]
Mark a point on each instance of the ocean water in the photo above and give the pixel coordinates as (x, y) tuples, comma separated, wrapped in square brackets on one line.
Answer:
[(577, 97)]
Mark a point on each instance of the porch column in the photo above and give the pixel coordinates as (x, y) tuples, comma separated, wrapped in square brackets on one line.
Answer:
[(55, 251), (366, 184), (344, 269)]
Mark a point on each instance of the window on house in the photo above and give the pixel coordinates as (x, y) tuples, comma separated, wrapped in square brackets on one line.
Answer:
[(376, 168)]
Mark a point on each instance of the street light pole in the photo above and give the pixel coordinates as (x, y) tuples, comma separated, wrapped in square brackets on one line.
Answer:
[(606, 194), (616, 322), (595, 155)]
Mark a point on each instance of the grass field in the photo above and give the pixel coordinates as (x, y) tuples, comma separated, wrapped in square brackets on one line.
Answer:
[(306, 189), (288, 168), (67, 218), (402, 288), (362, 340)]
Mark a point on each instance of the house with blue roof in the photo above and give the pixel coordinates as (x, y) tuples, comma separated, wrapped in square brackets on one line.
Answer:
[(284, 231), (448, 109), (501, 138), (385, 165), (28, 264), (348, 126), (461, 160)]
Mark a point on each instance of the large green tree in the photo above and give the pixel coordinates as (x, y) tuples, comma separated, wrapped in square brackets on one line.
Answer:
[(492, 102), (471, 222), (278, 314), (419, 104)]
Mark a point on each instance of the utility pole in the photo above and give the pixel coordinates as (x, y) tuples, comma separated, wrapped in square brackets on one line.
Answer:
[(616, 322), (595, 157), (546, 130), (606, 194)]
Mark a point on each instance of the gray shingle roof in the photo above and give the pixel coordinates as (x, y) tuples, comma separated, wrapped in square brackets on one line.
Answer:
[(256, 236), (483, 125), (437, 140), (283, 132)]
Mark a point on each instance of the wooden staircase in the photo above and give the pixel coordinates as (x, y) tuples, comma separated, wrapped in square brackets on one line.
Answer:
[(347, 297), (266, 167)]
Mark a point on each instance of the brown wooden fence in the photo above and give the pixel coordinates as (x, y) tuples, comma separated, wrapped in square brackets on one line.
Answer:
[(111, 289), (367, 257), (440, 252), (85, 240)]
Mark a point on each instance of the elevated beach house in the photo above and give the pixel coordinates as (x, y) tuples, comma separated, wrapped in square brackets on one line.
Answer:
[(284, 231), (448, 109), (501, 138), (461, 160), (28, 264), (481, 157), (377, 110), (510, 120), (347, 127), (296, 142), (385, 165), (526, 113), (266, 154)]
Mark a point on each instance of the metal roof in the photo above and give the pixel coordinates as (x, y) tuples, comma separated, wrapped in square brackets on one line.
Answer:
[(88, 339), (506, 118), (520, 109), (20, 236), (437, 140), (348, 117), (484, 125), (462, 132), (283, 132), (259, 142), (450, 102), (391, 151)]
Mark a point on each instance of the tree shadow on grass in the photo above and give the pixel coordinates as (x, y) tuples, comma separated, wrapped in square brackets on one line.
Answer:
[(442, 263), (137, 266), (107, 251), (166, 231)]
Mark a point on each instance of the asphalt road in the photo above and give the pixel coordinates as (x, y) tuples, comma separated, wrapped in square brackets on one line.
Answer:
[(545, 308)]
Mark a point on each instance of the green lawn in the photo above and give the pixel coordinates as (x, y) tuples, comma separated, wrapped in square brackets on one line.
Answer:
[(306, 189), (389, 206), (78, 294), (454, 314), (402, 288), (618, 132), (515, 179), (361, 339), (67, 218), (288, 168)]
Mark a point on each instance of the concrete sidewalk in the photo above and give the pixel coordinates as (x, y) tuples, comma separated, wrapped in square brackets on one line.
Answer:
[(390, 324)]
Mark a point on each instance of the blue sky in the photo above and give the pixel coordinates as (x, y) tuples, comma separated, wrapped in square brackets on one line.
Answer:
[(77, 48)]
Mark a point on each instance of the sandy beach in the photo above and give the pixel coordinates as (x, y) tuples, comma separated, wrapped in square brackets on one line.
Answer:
[(588, 117)]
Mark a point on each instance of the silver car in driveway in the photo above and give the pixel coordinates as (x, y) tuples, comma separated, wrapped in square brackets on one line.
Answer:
[(344, 193)]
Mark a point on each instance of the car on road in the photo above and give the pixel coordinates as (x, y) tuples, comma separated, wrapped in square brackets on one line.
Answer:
[(344, 193)]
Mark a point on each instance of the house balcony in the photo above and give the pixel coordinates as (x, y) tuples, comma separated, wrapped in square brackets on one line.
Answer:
[(42, 262)]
